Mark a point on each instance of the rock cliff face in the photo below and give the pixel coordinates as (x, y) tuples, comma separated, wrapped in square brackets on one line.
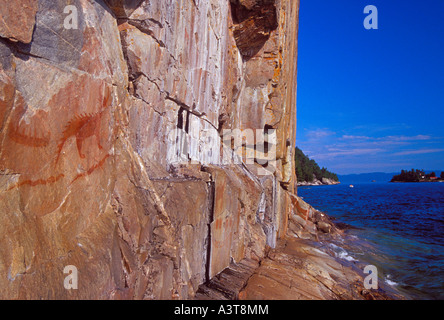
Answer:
[(95, 102)]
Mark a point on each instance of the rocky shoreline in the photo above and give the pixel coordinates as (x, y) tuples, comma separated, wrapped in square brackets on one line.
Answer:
[(316, 182), (298, 268), (95, 174)]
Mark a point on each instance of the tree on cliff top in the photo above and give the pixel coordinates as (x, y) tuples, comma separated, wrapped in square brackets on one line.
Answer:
[(307, 169)]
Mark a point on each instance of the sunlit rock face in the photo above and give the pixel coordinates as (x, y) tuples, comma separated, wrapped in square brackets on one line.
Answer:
[(91, 171)]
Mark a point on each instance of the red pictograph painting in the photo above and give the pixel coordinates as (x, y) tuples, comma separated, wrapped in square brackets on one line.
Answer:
[(32, 134), (32, 131), (84, 126)]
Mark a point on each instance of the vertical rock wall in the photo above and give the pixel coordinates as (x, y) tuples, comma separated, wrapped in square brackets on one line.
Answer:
[(90, 118)]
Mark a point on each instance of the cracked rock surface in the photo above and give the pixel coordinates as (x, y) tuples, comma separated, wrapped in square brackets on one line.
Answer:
[(90, 117), (90, 120)]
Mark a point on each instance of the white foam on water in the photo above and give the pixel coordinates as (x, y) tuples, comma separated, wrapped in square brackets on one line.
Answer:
[(344, 255), (341, 253), (390, 282)]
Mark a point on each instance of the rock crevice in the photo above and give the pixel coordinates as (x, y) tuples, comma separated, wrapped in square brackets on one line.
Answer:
[(110, 144)]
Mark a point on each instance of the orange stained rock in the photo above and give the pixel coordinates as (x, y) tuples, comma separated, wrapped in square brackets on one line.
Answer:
[(31, 135), (33, 183), (91, 170), (84, 126)]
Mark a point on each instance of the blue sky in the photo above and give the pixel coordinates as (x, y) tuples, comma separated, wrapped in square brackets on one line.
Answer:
[(371, 100)]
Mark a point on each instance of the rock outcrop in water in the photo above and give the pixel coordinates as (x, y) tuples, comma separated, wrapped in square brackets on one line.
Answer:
[(316, 182), (112, 114)]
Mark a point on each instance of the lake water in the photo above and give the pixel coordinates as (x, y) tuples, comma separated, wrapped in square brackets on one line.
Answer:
[(399, 229)]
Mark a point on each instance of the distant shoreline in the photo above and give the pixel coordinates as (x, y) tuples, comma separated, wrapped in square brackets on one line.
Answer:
[(434, 181), (324, 182)]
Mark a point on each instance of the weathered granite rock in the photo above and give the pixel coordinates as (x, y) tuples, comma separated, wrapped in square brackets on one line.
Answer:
[(324, 227), (303, 269), (17, 20), (92, 173), (305, 222), (229, 283), (296, 269)]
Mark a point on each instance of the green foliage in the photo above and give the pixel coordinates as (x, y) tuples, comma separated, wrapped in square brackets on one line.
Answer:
[(307, 169), (416, 175), (410, 176)]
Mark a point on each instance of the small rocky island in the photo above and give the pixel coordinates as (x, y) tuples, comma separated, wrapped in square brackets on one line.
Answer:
[(416, 175)]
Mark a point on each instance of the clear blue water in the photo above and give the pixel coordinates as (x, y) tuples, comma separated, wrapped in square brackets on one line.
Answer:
[(399, 229)]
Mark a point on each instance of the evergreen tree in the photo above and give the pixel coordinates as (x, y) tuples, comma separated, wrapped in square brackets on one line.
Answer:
[(410, 176), (307, 169)]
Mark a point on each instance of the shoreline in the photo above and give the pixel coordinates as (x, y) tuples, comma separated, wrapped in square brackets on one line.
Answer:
[(300, 269), (302, 266), (415, 181), (324, 182), (396, 228), (333, 239)]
